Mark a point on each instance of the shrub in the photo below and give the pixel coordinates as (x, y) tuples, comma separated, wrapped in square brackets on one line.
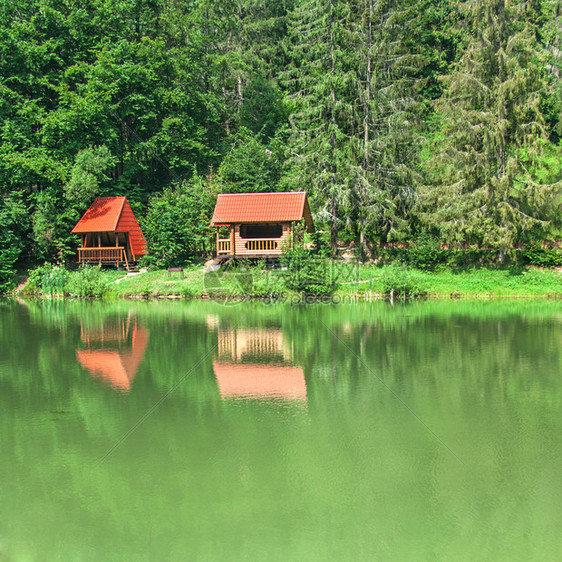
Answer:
[(177, 224), (402, 282), (8, 257), (309, 274), (425, 253), (53, 280), (87, 281), (536, 254), (34, 285), (188, 292)]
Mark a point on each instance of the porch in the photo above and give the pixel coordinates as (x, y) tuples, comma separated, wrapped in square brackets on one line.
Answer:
[(253, 246), (253, 240), (115, 255)]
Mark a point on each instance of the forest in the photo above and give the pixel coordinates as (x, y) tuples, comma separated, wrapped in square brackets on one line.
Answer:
[(400, 118)]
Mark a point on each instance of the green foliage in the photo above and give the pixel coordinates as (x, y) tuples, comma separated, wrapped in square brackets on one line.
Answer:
[(493, 133), (8, 257), (50, 280), (34, 285), (537, 254), (250, 166), (426, 252), (13, 218), (87, 281), (262, 111), (137, 98), (53, 280), (400, 281), (308, 273), (87, 174), (176, 226)]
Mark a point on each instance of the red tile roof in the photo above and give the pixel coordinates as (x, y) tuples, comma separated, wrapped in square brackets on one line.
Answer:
[(261, 207), (102, 216)]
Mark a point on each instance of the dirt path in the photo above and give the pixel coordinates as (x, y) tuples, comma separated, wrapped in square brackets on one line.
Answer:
[(20, 286)]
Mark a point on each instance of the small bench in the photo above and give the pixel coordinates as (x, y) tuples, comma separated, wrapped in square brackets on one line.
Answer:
[(175, 270)]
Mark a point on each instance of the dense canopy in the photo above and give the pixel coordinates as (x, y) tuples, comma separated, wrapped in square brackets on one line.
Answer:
[(398, 118)]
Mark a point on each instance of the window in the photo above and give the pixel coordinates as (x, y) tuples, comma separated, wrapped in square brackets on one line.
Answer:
[(263, 230)]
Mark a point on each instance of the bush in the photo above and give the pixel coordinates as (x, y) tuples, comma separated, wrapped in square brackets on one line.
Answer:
[(47, 279), (425, 253), (401, 282), (536, 254), (8, 257), (34, 285), (86, 282), (13, 220), (176, 226), (472, 257), (309, 274), (53, 280)]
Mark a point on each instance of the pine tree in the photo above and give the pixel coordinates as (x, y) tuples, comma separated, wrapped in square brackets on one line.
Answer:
[(492, 133), (384, 171), (321, 123)]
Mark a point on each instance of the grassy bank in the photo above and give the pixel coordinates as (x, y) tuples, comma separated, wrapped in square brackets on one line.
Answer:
[(362, 281)]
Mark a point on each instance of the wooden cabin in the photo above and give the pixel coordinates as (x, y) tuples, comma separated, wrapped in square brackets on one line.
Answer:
[(110, 233), (259, 224)]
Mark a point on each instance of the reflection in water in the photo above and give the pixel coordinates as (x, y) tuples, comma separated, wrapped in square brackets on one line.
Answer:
[(256, 363), (115, 351)]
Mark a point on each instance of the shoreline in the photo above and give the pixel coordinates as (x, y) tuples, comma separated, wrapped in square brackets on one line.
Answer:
[(368, 284)]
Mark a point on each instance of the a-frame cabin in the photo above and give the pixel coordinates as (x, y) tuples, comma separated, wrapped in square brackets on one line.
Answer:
[(110, 233)]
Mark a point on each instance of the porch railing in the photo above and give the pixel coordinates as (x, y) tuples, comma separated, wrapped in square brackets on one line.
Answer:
[(103, 254), (261, 245), (223, 246)]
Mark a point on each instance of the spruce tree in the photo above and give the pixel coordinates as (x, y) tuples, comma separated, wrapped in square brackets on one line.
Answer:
[(321, 122), (492, 133), (385, 159)]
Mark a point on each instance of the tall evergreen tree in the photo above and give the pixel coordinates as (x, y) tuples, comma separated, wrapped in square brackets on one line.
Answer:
[(493, 130), (322, 122), (384, 171)]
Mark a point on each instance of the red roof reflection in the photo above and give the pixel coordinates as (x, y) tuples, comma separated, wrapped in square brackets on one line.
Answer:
[(117, 367), (253, 380), (256, 363)]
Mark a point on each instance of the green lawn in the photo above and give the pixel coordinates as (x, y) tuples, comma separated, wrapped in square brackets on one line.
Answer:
[(368, 281)]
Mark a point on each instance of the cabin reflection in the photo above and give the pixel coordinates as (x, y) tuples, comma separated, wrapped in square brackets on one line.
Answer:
[(256, 363), (114, 351)]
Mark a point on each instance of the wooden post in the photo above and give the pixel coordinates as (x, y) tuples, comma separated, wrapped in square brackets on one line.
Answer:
[(232, 239), (99, 245), (218, 228), (126, 260)]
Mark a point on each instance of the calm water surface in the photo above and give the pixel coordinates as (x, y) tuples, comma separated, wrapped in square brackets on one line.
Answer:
[(194, 431)]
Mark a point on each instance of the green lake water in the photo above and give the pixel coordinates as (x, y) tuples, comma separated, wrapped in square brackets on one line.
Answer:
[(193, 431)]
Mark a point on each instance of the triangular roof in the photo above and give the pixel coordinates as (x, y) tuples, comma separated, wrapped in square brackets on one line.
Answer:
[(261, 207), (113, 214), (117, 367), (102, 216)]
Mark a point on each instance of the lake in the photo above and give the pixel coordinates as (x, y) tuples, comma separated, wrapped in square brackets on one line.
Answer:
[(195, 431)]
